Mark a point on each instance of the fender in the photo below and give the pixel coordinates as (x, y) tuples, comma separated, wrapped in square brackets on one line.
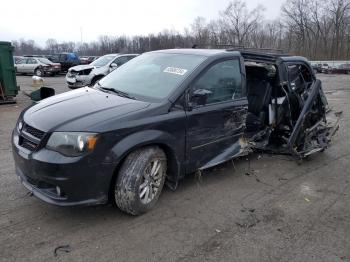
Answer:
[(169, 143)]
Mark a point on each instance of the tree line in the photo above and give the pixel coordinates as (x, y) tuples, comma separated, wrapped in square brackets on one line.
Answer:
[(317, 29)]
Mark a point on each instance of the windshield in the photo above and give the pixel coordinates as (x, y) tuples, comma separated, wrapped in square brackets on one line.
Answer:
[(152, 76), (45, 60), (102, 61)]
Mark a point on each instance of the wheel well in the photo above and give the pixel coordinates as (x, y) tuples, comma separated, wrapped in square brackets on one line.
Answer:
[(172, 165)]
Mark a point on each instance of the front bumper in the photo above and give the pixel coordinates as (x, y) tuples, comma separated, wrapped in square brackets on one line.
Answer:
[(81, 181), (52, 70), (76, 81)]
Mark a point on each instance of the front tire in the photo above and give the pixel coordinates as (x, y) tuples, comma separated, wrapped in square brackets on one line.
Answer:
[(140, 180), (39, 72)]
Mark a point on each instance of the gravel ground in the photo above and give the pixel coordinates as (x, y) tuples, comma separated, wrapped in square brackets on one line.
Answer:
[(261, 208)]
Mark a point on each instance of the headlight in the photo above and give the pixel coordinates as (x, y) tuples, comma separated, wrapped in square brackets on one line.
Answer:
[(19, 126), (72, 143)]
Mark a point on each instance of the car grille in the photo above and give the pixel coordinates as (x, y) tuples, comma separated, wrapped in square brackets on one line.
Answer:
[(34, 132), (30, 137), (28, 144), (72, 73)]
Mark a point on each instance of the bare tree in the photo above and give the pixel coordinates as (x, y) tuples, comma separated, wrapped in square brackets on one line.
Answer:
[(51, 45), (317, 29), (240, 22)]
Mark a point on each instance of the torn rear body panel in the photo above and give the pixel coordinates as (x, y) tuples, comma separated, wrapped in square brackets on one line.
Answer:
[(288, 111)]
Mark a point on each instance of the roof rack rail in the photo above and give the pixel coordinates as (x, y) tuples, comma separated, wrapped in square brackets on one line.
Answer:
[(230, 47)]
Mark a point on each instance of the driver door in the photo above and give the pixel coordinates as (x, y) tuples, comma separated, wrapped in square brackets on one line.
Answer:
[(215, 125)]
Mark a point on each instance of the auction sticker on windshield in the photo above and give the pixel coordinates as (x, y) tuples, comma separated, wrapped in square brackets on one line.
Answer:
[(175, 70)]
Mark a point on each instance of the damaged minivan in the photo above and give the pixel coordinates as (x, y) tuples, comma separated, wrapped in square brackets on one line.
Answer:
[(165, 114)]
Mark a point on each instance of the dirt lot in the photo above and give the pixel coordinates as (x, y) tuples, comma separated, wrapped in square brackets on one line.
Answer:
[(265, 208)]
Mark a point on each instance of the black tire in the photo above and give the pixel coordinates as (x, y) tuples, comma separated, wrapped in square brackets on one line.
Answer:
[(39, 72), (132, 175), (94, 80)]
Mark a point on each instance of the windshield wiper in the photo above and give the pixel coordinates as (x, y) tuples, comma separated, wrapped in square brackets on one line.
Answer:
[(118, 92)]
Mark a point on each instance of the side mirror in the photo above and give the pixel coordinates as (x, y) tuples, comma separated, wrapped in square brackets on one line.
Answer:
[(200, 96), (114, 65)]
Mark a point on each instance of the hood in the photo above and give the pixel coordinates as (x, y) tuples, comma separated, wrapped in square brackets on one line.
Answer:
[(53, 64), (80, 110), (81, 67)]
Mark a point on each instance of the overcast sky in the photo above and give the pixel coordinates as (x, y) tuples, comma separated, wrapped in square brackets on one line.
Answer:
[(63, 19)]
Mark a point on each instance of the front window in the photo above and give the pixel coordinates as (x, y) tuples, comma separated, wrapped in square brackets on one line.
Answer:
[(121, 60), (44, 60), (102, 61), (152, 76), (223, 81)]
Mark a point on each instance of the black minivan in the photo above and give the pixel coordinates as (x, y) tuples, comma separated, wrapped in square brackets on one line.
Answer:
[(162, 115)]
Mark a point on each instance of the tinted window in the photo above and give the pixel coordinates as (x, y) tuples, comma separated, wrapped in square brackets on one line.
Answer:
[(55, 58), (223, 80), (121, 60), (131, 57), (63, 57), (31, 61), (22, 61)]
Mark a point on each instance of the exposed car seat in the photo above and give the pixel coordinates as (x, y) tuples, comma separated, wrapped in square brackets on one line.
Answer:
[(259, 94)]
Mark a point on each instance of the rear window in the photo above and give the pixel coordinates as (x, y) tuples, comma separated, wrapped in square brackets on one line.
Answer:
[(45, 60)]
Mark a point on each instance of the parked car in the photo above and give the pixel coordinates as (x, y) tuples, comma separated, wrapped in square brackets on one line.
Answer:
[(317, 68), (67, 60), (165, 114), (342, 69), (324, 68), (85, 60), (82, 75), (38, 66)]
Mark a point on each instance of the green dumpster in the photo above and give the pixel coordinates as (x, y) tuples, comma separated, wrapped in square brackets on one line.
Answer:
[(8, 88)]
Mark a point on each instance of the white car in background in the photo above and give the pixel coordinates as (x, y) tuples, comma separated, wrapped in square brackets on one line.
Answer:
[(88, 75), (38, 66)]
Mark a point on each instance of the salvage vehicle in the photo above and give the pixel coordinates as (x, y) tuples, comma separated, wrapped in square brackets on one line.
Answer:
[(325, 68), (67, 60), (341, 69), (83, 75), (38, 66), (85, 60), (165, 114)]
